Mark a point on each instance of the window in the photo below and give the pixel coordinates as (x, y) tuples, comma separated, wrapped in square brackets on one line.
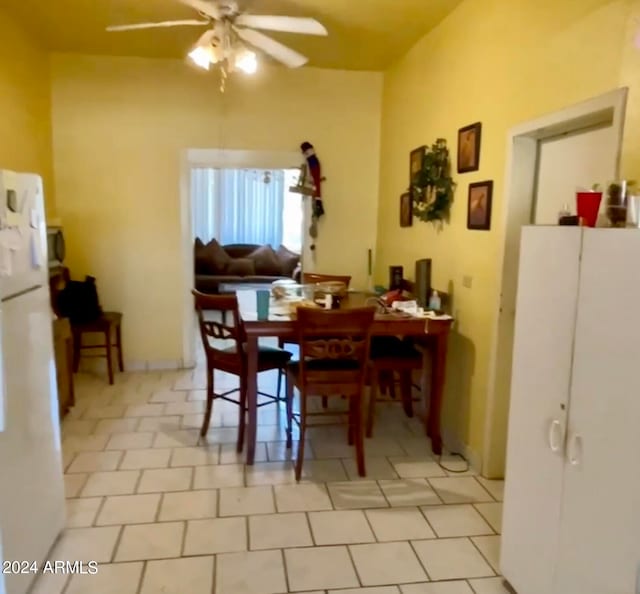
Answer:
[(247, 206)]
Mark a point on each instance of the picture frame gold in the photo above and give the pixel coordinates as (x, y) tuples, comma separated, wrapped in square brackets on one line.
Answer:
[(469, 141), (479, 206)]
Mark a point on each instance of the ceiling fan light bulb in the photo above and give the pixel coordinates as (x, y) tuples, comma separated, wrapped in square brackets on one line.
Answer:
[(247, 61), (201, 57)]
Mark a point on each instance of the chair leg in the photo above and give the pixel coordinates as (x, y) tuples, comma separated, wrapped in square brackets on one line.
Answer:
[(119, 345), (405, 392), (325, 402), (352, 420), (77, 347), (289, 397), (209, 409), (279, 386), (357, 400), (392, 385), (242, 414), (107, 335), (373, 397), (303, 432)]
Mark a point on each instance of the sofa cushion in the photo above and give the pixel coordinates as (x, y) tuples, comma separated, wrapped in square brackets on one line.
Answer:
[(210, 258), (267, 262), (288, 260), (240, 250), (241, 267)]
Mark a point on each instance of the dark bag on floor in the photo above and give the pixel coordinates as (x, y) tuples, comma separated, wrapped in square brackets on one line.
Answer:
[(79, 301)]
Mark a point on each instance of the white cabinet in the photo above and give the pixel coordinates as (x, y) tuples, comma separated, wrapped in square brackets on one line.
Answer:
[(572, 497)]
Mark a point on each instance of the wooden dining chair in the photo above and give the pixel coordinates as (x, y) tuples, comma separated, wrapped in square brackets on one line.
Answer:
[(309, 278), (391, 355), (334, 351), (224, 347)]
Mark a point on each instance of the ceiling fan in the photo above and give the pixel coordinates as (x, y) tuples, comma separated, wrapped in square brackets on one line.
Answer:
[(231, 32)]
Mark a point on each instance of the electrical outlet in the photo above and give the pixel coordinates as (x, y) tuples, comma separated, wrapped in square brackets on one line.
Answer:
[(467, 281)]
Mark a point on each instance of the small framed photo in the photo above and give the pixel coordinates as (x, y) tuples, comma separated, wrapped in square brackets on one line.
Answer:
[(469, 148), (406, 210), (479, 208), (416, 159)]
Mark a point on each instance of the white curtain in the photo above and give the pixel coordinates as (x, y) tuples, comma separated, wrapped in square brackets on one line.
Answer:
[(237, 206)]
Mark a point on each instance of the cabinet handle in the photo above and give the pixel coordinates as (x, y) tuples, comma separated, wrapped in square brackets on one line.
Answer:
[(555, 436), (575, 450)]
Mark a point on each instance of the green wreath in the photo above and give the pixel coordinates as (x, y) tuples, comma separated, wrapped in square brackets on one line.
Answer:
[(432, 187)]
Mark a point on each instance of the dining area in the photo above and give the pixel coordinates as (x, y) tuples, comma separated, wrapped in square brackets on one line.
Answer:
[(342, 356)]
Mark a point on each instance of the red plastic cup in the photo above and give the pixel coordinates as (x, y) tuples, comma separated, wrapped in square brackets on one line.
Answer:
[(588, 206)]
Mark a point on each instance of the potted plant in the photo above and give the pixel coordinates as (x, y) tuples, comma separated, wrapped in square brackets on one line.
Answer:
[(432, 186)]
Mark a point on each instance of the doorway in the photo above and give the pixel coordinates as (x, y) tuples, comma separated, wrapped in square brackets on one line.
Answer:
[(548, 159), (220, 159)]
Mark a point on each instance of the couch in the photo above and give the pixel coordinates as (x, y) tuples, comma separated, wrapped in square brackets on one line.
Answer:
[(241, 263)]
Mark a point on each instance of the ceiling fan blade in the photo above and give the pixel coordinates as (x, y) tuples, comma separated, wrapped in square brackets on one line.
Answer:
[(209, 8), (300, 25), (274, 48), (133, 27)]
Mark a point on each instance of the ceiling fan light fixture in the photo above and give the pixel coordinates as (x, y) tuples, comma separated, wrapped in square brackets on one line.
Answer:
[(247, 61), (202, 57)]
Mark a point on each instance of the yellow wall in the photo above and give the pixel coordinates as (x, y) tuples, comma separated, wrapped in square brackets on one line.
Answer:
[(120, 125), (25, 110), (501, 62)]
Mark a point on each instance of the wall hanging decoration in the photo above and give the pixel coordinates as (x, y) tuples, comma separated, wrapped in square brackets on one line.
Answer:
[(479, 207), (416, 160), (406, 210), (432, 187), (469, 148)]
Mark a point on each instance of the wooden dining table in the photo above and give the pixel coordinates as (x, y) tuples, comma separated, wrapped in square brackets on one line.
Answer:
[(433, 332)]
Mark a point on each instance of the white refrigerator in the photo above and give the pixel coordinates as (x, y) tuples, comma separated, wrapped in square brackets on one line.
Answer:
[(32, 504), (571, 520)]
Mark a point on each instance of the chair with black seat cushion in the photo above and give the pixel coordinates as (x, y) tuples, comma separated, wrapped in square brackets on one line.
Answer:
[(224, 347), (390, 355), (334, 350), (78, 301)]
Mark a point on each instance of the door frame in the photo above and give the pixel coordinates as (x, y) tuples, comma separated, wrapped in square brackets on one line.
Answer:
[(222, 158), (520, 181)]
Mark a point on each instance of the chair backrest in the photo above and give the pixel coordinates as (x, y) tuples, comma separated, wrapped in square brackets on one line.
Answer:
[(218, 330), (334, 347), (309, 278)]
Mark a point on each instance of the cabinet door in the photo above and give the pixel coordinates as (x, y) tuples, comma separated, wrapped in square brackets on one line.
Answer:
[(543, 347), (600, 528)]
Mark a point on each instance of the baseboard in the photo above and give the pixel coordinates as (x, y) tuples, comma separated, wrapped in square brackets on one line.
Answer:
[(453, 443), (99, 365)]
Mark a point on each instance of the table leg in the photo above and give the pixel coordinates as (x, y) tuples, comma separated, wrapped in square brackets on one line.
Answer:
[(437, 390), (252, 396)]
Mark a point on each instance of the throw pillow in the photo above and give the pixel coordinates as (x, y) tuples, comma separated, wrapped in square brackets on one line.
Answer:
[(288, 260), (267, 263), (210, 258), (241, 267)]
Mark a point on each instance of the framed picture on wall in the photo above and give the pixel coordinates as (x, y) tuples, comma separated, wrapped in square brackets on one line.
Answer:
[(479, 207), (406, 210), (416, 159), (469, 148)]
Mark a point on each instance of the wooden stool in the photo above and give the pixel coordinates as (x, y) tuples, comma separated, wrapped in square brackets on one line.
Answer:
[(109, 324)]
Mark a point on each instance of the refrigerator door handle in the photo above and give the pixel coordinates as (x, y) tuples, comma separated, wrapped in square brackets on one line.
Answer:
[(574, 453), (555, 436)]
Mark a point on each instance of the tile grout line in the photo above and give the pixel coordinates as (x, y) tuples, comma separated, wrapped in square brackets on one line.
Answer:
[(424, 567), (143, 575), (116, 545), (354, 566), (486, 559)]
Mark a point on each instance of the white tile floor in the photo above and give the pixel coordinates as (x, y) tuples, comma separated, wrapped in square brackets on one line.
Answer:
[(164, 513)]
